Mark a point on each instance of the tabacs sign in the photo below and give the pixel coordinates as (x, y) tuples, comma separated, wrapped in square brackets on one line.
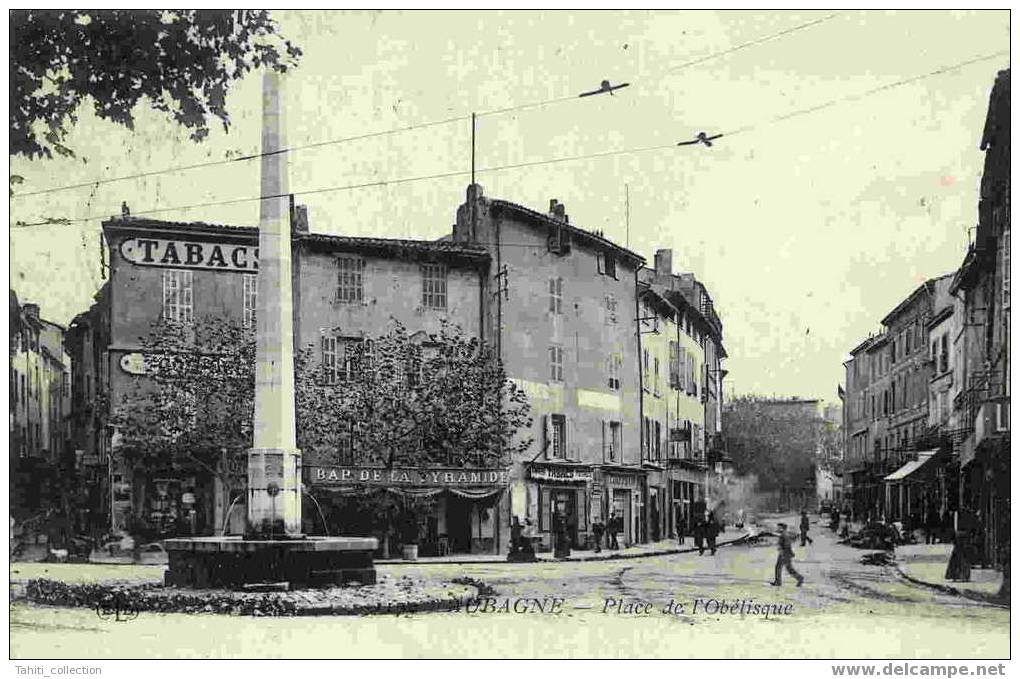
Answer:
[(180, 254), (406, 476)]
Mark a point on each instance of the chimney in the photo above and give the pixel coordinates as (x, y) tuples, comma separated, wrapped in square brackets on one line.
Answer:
[(299, 218), (558, 210), (664, 262), (31, 311)]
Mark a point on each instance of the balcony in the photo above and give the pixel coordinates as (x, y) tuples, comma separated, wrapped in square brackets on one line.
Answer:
[(992, 419)]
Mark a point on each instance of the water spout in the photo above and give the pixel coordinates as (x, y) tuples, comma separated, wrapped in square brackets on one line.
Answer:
[(322, 517), (226, 519)]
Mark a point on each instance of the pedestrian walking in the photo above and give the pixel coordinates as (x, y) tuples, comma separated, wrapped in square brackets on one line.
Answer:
[(805, 525), (598, 528), (613, 528), (931, 526), (785, 558), (958, 569), (712, 529)]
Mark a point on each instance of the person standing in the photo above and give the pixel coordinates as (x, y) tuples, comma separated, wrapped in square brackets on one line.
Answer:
[(699, 534), (612, 527), (679, 527), (785, 558), (598, 528), (805, 525), (711, 531)]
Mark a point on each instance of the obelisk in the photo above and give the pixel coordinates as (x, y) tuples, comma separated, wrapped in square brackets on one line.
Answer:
[(274, 462)]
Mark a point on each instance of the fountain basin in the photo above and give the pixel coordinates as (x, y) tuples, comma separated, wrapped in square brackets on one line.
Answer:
[(233, 561)]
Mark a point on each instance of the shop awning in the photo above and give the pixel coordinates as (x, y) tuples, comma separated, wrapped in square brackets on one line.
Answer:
[(912, 467)]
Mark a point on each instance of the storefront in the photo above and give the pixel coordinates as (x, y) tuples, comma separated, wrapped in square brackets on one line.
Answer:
[(564, 487), (686, 487), (442, 510), (625, 490), (657, 504)]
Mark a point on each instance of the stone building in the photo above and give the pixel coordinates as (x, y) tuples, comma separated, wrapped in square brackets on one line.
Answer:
[(39, 443), (556, 302), (983, 347)]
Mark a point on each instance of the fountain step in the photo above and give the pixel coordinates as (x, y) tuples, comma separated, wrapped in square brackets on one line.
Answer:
[(266, 587)]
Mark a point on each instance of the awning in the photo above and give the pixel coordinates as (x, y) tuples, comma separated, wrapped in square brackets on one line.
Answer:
[(912, 467)]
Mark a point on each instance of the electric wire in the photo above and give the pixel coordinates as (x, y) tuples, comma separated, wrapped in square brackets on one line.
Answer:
[(407, 128)]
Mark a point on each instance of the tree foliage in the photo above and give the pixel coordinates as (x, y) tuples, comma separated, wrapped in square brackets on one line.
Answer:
[(181, 61), (778, 441), (407, 400), (403, 399)]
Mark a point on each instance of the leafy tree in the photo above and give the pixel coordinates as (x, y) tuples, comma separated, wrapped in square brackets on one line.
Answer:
[(401, 399), (181, 61), (777, 441)]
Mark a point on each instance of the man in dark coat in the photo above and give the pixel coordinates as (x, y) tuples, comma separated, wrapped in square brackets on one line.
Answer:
[(785, 558), (613, 528)]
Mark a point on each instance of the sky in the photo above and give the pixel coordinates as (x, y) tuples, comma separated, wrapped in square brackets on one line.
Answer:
[(807, 229)]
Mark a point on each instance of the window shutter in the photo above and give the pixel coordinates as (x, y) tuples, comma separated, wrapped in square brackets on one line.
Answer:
[(547, 436), (600, 259), (568, 440), (545, 509), (605, 447), (582, 510)]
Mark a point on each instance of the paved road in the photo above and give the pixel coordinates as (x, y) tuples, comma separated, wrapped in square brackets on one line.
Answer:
[(844, 610)]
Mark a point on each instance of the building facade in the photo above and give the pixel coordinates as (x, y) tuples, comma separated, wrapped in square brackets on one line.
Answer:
[(39, 373), (982, 284), (557, 303)]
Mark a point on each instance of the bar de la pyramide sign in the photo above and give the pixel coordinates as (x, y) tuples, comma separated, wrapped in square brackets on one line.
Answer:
[(406, 476)]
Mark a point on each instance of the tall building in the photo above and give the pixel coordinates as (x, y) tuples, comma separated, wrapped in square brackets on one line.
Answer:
[(39, 376), (983, 285)]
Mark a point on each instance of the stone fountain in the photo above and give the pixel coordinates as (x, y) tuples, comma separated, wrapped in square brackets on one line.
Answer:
[(273, 550)]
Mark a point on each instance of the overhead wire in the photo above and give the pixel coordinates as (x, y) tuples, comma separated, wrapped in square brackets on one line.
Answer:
[(407, 128)]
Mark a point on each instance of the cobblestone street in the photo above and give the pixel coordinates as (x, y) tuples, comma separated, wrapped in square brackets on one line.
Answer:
[(844, 610)]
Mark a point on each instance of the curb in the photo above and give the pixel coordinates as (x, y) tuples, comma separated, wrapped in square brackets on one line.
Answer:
[(570, 559), (990, 600), (451, 603)]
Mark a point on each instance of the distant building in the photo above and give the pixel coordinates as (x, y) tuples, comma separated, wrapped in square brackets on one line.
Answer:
[(40, 380)]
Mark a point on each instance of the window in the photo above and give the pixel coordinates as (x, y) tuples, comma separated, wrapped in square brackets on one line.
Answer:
[(614, 439), (907, 338), (556, 364), (433, 286), (607, 264), (614, 363), (658, 440), (674, 365), (339, 360), (556, 295), (655, 376), (178, 296), (1005, 266), (350, 288), (610, 310), (345, 445), (557, 442), (250, 293), (682, 369)]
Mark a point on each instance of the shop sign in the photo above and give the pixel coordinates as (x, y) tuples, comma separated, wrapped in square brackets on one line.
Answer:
[(619, 481), (560, 474), (179, 254), (406, 476)]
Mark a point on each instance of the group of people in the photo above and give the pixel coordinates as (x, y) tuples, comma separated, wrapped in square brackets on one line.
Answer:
[(610, 529), (705, 530)]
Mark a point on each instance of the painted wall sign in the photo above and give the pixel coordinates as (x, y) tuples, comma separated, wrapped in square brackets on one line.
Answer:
[(133, 364), (559, 474), (180, 254), (622, 481), (406, 476)]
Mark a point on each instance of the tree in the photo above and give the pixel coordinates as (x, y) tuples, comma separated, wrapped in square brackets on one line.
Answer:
[(181, 61), (401, 399), (778, 441)]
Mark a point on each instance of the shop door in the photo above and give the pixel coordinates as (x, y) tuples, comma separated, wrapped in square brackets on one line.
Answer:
[(655, 519), (458, 523), (621, 505), (566, 501)]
